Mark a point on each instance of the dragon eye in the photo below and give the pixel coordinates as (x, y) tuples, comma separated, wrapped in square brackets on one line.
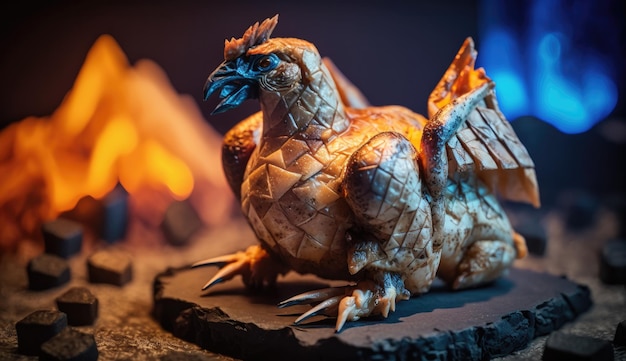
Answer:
[(266, 62)]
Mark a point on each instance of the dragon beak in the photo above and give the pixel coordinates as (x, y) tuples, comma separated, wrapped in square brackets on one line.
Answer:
[(234, 87)]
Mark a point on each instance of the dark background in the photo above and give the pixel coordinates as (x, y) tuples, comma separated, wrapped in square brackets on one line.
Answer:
[(395, 52)]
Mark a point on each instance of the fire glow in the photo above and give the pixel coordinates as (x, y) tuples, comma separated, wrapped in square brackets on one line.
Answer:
[(559, 66), (118, 124)]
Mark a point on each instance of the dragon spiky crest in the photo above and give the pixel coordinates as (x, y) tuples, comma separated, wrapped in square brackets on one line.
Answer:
[(255, 35)]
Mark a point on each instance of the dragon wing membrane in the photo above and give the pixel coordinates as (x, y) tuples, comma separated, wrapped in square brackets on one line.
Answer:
[(350, 95), (486, 143)]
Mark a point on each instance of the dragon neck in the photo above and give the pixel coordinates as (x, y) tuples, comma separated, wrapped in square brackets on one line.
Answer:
[(312, 110)]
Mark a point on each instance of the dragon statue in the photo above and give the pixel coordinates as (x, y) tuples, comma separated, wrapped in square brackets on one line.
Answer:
[(379, 196)]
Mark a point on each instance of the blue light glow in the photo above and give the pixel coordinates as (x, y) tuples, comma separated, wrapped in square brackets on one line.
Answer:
[(545, 65)]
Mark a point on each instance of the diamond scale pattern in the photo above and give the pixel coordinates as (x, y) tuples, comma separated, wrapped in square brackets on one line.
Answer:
[(322, 229), (275, 158), (281, 230), (310, 249), (280, 180), (293, 149), (259, 227), (320, 170)]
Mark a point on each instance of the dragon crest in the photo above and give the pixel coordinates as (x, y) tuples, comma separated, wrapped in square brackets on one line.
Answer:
[(255, 35)]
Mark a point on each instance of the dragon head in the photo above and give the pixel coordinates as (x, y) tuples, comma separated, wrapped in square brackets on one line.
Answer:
[(254, 64)]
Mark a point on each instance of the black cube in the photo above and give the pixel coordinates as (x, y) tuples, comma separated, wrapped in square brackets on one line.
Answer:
[(47, 271), (613, 262), (69, 344), (563, 346), (37, 328), (62, 237), (620, 334), (110, 266), (115, 215), (180, 223), (80, 305)]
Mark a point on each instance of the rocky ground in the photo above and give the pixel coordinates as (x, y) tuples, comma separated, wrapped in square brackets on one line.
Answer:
[(126, 330)]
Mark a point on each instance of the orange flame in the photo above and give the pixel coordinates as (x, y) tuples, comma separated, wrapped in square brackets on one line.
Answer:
[(118, 124)]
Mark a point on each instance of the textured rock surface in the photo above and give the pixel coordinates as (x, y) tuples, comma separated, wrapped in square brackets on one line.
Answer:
[(473, 324), (126, 330)]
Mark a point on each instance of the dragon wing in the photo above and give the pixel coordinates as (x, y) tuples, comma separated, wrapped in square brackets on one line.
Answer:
[(350, 95), (486, 143), (237, 148)]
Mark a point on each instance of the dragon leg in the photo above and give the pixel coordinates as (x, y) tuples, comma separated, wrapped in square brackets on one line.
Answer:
[(257, 268), (483, 262), (391, 245), (437, 132), (237, 148), (383, 187), (376, 296)]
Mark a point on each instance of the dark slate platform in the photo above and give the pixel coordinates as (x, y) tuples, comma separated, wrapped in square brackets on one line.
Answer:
[(472, 324)]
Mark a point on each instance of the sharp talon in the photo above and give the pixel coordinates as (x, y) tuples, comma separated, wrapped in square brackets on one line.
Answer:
[(212, 282), (390, 301), (347, 307), (216, 261), (255, 265), (385, 307), (326, 305), (226, 273), (350, 303), (312, 296)]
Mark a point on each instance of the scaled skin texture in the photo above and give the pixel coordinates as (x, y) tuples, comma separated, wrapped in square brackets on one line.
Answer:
[(380, 196)]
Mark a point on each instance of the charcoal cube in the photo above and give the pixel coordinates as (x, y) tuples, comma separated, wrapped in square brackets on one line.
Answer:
[(37, 328), (109, 266), (115, 215), (613, 262), (62, 237), (180, 223), (69, 344), (563, 346), (580, 209), (47, 271), (620, 334), (106, 218), (80, 306)]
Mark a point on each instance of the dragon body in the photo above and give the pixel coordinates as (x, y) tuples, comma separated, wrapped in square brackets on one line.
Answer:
[(380, 196)]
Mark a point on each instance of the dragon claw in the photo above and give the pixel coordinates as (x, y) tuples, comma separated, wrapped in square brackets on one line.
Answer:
[(226, 272), (388, 303), (326, 307), (349, 303), (313, 297), (255, 266), (216, 261)]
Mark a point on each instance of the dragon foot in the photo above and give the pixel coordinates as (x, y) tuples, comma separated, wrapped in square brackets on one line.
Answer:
[(255, 265), (349, 303)]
